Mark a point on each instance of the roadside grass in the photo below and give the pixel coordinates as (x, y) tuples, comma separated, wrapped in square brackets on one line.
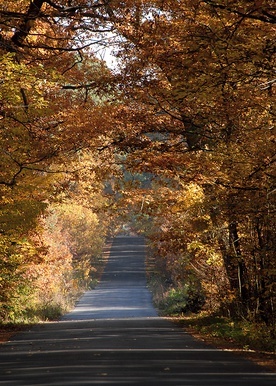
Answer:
[(32, 313), (249, 340), (38, 312), (246, 335), (254, 341), (28, 318)]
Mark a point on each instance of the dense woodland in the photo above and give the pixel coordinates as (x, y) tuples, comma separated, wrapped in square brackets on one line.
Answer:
[(177, 138)]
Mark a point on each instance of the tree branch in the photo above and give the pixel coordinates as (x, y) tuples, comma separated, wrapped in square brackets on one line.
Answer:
[(230, 186), (264, 16), (28, 22)]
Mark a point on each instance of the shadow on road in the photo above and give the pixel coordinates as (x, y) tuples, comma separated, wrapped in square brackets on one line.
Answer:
[(114, 337)]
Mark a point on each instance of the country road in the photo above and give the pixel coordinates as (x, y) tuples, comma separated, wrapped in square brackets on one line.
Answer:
[(115, 337)]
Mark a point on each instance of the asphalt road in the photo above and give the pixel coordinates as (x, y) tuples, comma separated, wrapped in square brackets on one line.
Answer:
[(114, 337)]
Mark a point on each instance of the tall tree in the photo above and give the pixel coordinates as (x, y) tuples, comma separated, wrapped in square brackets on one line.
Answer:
[(51, 112), (198, 77), (193, 105)]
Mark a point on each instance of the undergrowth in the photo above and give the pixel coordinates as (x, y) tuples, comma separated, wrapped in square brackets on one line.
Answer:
[(184, 306), (247, 335)]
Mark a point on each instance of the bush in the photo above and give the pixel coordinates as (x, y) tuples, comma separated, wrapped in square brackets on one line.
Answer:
[(182, 300)]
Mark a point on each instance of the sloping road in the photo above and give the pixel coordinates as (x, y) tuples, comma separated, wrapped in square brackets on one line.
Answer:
[(114, 337)]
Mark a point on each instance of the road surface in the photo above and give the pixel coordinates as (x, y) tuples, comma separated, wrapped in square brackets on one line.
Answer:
[(114, 337)]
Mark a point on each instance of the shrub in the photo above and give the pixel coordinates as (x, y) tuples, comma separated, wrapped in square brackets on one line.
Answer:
[(182, 300)]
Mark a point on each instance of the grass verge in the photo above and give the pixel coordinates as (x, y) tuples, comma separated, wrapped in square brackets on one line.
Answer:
[(247, 339), (250, 340)]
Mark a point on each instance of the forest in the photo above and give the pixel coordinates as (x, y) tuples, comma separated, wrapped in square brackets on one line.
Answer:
[(175, 136)]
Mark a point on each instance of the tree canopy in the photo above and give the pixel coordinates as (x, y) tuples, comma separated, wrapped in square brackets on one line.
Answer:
[(188, 112)]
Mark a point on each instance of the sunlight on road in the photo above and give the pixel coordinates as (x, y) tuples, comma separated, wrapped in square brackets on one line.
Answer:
[(115, 337)]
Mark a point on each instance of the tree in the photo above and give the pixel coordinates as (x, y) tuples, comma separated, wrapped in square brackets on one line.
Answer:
[(191, 103), (51, 112), (198, 77)]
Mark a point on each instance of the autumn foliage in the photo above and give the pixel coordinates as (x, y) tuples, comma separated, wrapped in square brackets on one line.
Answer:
[(199, 86), (178, 139)]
